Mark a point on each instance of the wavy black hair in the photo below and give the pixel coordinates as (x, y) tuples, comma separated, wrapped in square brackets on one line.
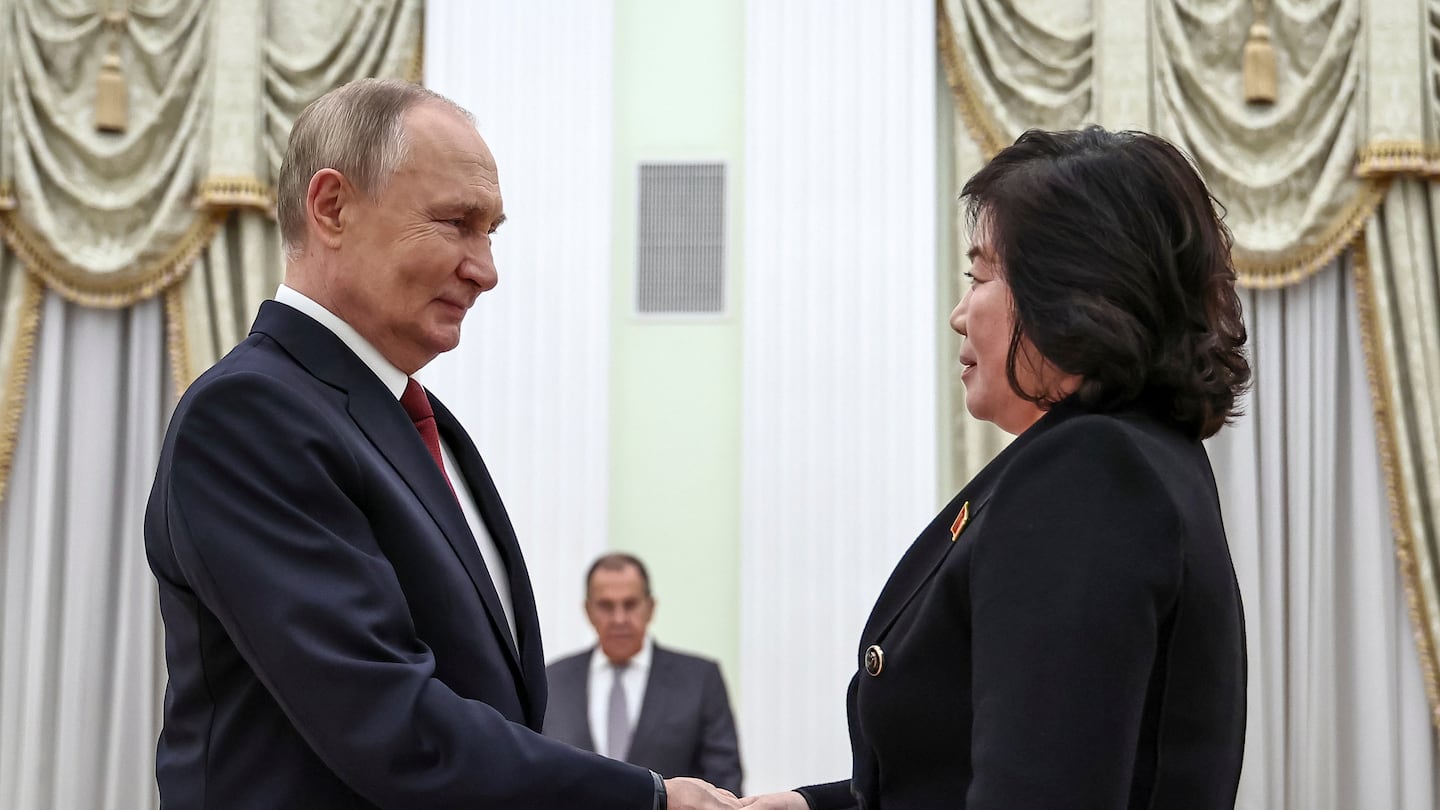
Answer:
[(1119, 265)]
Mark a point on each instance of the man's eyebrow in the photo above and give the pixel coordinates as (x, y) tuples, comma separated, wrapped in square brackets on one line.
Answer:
[(498, 222)]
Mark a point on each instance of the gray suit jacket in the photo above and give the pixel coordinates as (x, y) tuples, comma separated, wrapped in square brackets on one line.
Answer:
[(685, 726)]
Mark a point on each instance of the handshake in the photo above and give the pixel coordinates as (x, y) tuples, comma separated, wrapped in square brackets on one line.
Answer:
[(685, 793)]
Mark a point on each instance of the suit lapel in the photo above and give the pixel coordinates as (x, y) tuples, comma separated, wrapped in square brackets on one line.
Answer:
[(919, 564), (379, 416), (387, 426), (531, 654), (587, 733), (658, 688), (934, 544)]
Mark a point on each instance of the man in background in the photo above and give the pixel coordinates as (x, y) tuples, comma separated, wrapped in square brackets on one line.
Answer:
[(349, 622), (632, 700)]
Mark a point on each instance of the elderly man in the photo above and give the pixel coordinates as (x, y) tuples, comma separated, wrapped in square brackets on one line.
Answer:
[(349, 621), (633, 700)]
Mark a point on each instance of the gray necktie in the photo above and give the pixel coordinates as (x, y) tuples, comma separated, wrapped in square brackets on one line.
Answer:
[(618, 733)]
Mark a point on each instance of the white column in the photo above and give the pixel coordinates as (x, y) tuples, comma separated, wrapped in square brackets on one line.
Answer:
[(530, 378), (840, 335)]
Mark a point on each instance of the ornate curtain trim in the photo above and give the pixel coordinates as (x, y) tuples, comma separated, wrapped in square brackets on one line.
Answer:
[(226, 192), (15, 387), (415, 71), (1382, 158), (219, 193), (1268, 271), (1379, 380), (177, 340), (101, 290), (982, 126), (1305, 259)]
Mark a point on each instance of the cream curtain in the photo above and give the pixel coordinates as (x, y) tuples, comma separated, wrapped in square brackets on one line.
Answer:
[(1284, 172), (81, 673), (1339, 165), (108, 218), (1400, 298), (1302, 179), (1337, 715), (130, 260)]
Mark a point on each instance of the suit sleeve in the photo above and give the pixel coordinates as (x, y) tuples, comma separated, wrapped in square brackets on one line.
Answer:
[(719, 749), (266, 512), (1070, 582), (829, 796)]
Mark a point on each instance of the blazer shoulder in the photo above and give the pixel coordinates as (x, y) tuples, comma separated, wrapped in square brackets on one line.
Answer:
[(1098, 441), (1097, 483), (683, 658)]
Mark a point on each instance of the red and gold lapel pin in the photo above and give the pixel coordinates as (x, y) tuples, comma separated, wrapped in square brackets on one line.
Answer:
[(960, 520)]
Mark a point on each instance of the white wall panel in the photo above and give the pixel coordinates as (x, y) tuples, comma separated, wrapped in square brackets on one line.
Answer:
[(530, 379), (839, 421)]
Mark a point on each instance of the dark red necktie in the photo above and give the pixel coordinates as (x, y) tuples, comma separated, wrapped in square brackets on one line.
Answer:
[(417, 405)]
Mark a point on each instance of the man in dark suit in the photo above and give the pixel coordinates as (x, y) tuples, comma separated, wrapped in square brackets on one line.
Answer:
[(349, 622), (630, 699)]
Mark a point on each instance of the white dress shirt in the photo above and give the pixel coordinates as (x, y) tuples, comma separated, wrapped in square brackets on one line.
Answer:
[(602, 678), (395, 380)]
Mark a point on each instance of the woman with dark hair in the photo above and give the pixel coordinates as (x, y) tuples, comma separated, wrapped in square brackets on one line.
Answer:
[(1068, 633)]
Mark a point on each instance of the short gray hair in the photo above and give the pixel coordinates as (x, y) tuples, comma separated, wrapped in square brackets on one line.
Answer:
[(617, 561), (357, 129)]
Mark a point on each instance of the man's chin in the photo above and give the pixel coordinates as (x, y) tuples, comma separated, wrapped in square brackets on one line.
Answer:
[(620, 652), (445, 339)]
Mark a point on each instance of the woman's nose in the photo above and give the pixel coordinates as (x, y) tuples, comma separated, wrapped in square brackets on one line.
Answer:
[(957, 315)]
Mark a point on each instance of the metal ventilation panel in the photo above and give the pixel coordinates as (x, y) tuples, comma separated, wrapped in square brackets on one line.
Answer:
[(680, 248)]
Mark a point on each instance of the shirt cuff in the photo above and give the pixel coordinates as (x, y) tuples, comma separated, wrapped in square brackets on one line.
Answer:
[(661, 802)]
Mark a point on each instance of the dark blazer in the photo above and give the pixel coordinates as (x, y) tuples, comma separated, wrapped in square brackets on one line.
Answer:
[(332, 634), (1079, 644), (685, 726)]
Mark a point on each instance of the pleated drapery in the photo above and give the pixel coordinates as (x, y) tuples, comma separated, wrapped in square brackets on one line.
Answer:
[(132, 256)]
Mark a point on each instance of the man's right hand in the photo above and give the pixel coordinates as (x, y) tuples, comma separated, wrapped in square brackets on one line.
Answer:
[(685, 793)]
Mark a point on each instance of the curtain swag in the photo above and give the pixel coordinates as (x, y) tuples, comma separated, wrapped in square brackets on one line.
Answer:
[(139, 150)]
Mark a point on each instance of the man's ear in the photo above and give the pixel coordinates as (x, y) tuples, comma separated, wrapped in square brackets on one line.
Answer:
[(325, 200)]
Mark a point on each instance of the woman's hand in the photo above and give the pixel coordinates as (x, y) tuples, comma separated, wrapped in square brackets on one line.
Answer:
[(790, 800)]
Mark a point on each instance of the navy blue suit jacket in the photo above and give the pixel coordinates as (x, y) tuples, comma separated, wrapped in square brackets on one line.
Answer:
[(332, 634)]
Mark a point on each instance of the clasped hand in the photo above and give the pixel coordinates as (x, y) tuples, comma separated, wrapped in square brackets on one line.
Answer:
[(789, 800), (685, 793)]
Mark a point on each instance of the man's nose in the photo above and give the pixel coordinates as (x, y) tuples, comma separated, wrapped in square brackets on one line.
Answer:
[(478, 265)]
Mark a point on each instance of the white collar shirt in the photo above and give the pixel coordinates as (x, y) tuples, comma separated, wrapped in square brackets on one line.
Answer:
[(634, 679)]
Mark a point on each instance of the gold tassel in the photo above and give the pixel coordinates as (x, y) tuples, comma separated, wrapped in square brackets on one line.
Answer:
[(1259, 72), (112, 98)]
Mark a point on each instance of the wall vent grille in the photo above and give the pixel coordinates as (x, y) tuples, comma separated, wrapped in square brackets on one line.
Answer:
[(680, 247)]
